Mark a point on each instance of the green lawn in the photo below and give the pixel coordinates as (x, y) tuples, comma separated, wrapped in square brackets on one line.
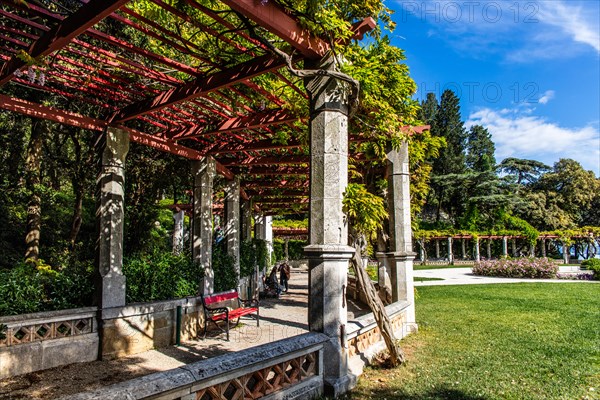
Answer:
[(424, 279), (510, 341)]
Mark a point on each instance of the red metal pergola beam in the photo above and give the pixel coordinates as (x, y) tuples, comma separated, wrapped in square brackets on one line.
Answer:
[(274, 19), (72, 119), (261, 145), (200, 86), (253, 121), (268, 160), (61, 35), (275, 171)]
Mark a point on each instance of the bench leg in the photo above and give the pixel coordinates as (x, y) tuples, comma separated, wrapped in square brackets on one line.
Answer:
[(257, 318), (228, 329)]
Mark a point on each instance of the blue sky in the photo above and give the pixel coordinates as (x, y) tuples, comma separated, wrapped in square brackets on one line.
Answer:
[(529, 71)]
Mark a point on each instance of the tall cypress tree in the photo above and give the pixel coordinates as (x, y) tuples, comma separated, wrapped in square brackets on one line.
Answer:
[(449, 167), (480, 150), (428, 110), (447, 123)]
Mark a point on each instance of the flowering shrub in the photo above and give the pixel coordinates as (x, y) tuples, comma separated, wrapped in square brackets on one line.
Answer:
[(517, 268), (581, 276), (593, 265)]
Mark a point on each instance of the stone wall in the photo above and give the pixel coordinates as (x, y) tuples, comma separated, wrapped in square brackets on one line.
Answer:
[(48, 339), (286, 369), (136, 328), (364, 339)]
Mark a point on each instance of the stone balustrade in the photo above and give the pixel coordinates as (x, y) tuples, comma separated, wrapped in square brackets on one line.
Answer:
[(48, 339), (286, 369)]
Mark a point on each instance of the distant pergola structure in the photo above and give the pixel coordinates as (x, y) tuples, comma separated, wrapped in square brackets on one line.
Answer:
[(475, 252), (168, 92)]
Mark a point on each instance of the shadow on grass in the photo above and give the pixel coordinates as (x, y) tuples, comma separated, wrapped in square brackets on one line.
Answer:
[(440, 392)]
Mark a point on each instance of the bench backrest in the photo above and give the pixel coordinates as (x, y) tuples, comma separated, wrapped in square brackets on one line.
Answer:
[(219, 297)]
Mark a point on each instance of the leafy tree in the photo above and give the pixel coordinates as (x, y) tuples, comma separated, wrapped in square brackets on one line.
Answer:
[(523, 171), (570, 188)]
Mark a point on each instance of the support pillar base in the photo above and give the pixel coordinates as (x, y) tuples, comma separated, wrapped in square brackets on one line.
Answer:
[(401, 275), (336, 387)]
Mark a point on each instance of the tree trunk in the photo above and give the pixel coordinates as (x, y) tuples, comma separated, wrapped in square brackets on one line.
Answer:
[(377, 307), (76, 219), (77, 181), (32, 182)]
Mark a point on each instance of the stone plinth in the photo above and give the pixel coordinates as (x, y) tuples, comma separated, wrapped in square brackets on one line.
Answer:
[(327, 308)]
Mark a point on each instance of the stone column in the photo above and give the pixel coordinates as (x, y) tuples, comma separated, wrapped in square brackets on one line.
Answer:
[(437, 249), (204, 172), (532, 249), (113, 146), (450, 253), (268, 234), (178, 218), (259, 230), (566, 255), (401, 256), (328, 252), (477, 251), (543, 245), (463, 245), (246, 233), (504, 246), (232, 222), (422, 254), (513, 243), (489, 248)]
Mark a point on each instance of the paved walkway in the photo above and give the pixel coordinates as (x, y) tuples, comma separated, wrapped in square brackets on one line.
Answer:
[(463, 276)]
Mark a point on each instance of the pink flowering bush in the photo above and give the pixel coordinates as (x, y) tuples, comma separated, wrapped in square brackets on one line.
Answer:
[(517, 268)]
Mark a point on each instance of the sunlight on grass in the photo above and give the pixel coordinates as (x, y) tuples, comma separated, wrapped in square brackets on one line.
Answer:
[(517, 341)]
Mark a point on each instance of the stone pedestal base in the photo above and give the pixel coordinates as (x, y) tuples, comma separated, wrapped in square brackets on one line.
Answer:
[(327, 309), (337, 387), (401, 275)]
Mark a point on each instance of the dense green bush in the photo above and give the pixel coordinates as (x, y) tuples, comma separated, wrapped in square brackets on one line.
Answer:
[(517, 268), (223, 268), (295, 249), (593, 264), (253, 253), (28, 288), (161, 276)]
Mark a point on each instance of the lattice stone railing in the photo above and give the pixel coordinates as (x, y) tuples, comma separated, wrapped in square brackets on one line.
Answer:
[(22, 329), (364, 335), (285, 369)]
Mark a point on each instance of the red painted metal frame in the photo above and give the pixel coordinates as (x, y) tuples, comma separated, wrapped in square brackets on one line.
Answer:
[(62, 34), (274, 19), (68, 118), (200, 87), (253, 121)]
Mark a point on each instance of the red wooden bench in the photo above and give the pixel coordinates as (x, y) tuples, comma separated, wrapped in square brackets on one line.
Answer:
[(224, 307)]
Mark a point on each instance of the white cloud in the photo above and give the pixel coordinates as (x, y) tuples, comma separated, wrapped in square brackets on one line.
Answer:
[(572, 20), (522, 31), (547, 96), (532, 137)]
